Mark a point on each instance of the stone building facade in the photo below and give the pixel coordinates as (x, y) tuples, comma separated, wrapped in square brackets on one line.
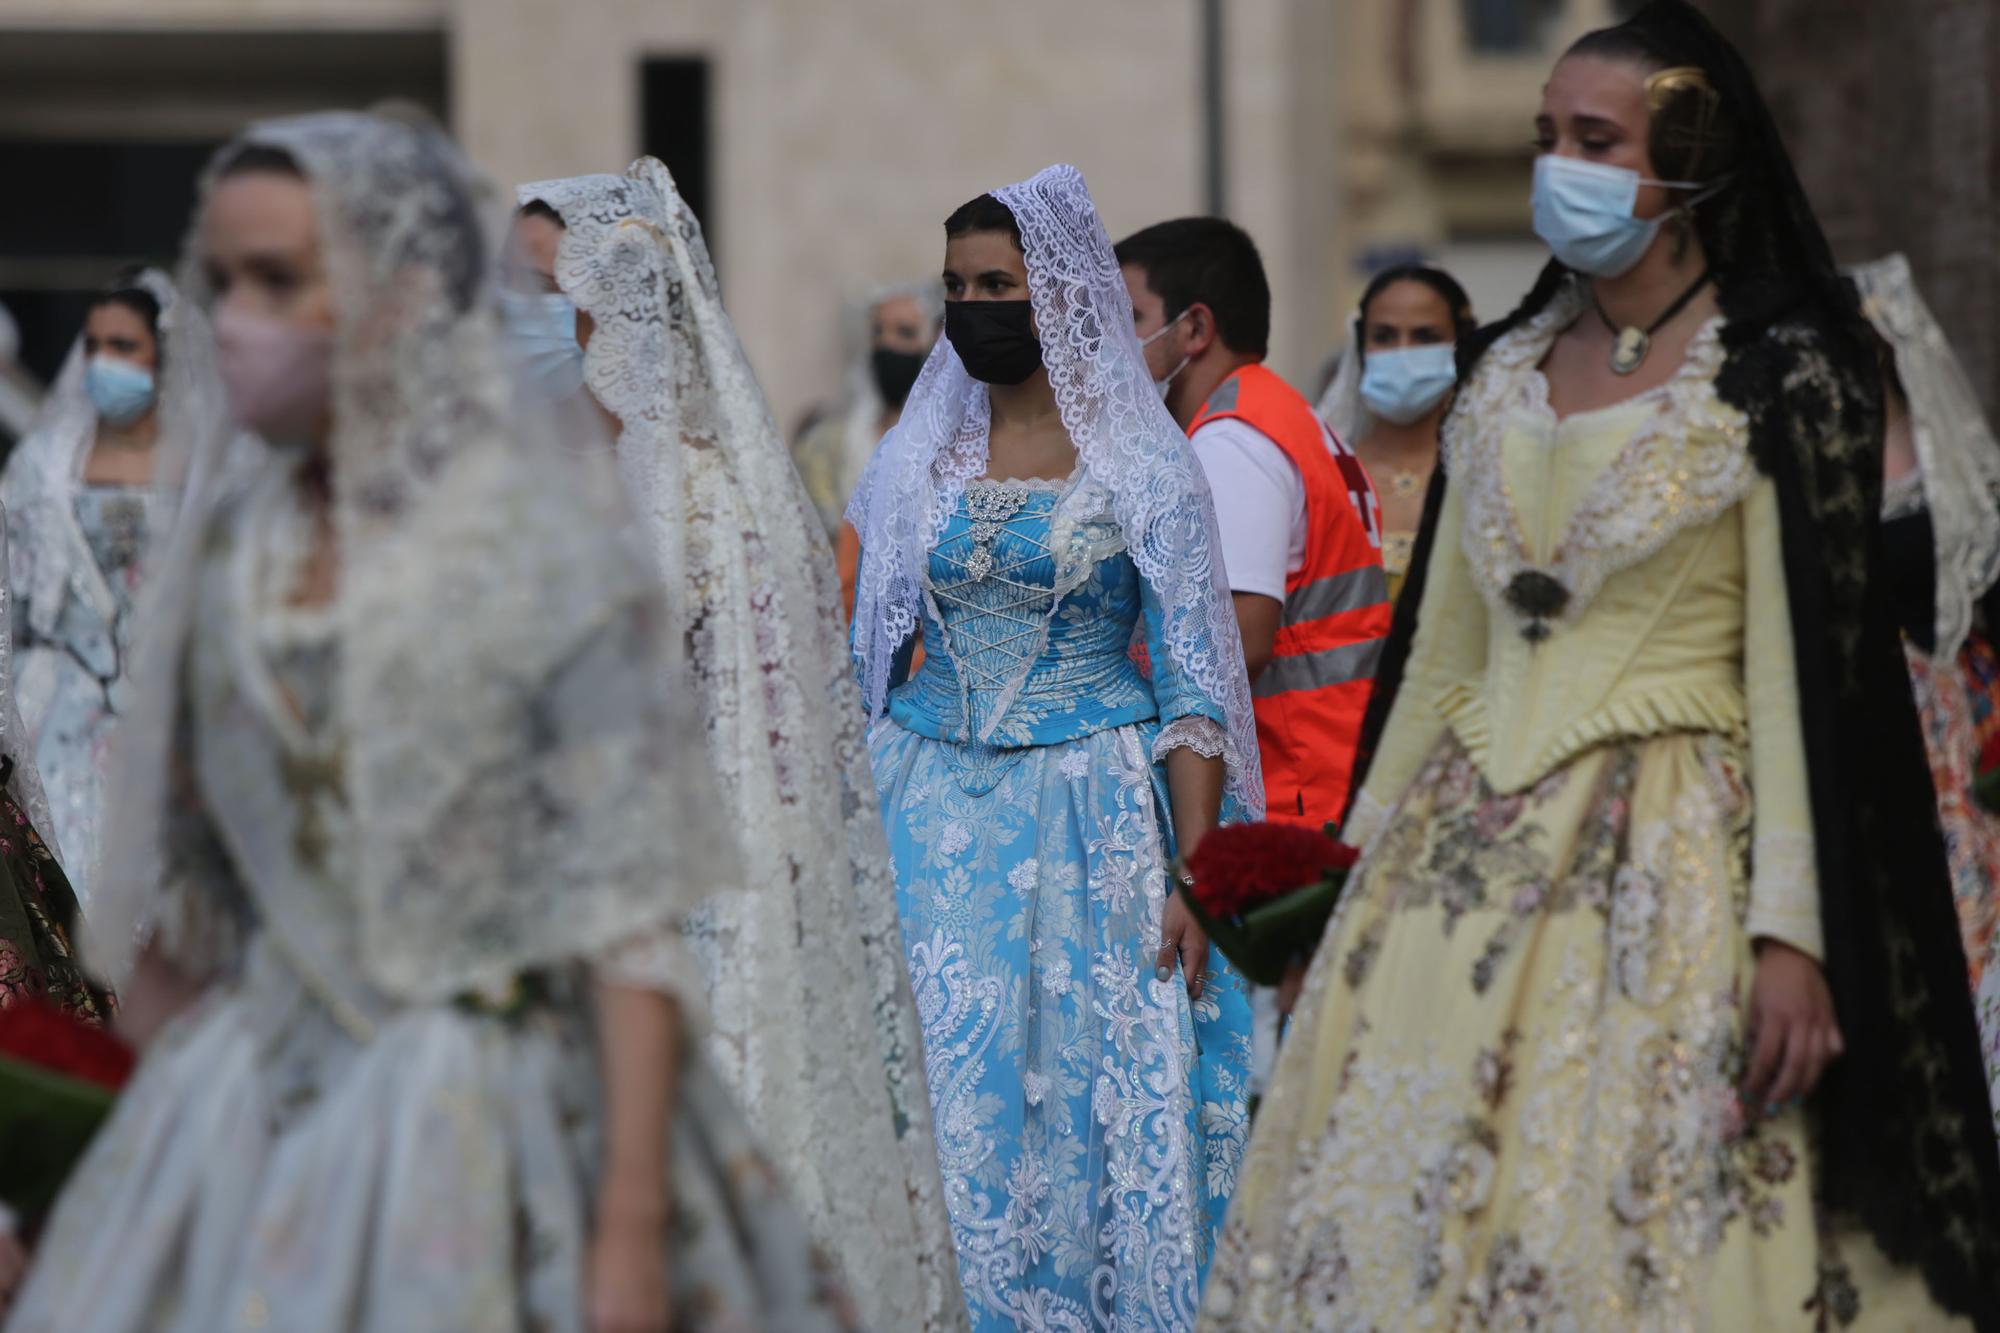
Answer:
[(1892, 113)]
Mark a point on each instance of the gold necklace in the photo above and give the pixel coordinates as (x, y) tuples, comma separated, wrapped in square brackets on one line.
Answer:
[(1405, 482)]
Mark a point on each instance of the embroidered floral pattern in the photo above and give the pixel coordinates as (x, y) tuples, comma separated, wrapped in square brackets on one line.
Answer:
[(1567, 1152)]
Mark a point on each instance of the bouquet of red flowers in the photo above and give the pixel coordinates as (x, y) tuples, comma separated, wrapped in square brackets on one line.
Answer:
[(58, 1078), (1263, 892)]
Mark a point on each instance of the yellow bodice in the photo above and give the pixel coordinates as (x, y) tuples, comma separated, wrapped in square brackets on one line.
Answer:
[(1612, 575)]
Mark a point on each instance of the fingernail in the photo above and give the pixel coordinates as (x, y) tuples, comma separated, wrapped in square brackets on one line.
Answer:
[(1164, 973)]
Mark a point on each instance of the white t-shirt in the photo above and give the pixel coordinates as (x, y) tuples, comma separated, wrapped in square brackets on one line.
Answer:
[(1260, 505)]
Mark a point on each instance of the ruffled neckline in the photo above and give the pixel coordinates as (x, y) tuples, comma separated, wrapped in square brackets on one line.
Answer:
[(1683, 465)]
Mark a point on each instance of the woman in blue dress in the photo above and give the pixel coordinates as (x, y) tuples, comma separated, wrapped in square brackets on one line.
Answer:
[(1081, 715)]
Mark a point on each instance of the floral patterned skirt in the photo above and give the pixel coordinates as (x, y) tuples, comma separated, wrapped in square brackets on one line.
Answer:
[(37, 913), (1948, 708), (1508, 1100), (1089, 1117)]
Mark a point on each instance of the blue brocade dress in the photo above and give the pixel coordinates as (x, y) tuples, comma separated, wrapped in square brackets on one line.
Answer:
[(1089, 1117)]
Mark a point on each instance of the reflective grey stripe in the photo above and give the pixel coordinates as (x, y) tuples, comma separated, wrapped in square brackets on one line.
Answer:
[(1366, 586), (1224, 398), (1312, 671)]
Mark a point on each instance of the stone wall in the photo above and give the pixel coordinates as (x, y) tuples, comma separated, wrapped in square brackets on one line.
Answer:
[(1891, 113)]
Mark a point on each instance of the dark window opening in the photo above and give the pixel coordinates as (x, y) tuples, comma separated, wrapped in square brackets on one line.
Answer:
[(674, 100), (1507, 27)]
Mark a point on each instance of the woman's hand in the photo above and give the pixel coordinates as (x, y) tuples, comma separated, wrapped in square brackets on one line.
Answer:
[(13, 1266), (630, 1288), (1793, 1035), (1185, 940)]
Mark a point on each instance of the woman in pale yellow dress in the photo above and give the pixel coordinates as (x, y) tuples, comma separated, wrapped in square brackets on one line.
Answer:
[(1599, 1039)]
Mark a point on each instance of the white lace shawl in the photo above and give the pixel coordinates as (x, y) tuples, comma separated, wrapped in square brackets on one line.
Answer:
[(813, 1023), (1957, 456), (1135, 461), (43, 475), (503, 827), (1342, 407)]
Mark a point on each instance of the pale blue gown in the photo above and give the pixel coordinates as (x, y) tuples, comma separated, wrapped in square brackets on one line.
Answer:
[(70, 675), (1089, 1117)]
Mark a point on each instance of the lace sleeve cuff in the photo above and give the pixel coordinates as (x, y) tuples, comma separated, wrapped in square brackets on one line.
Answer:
[(658, 960), (1201, 734), (1784, 892)]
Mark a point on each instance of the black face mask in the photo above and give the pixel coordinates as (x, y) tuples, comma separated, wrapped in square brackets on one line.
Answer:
[(995, 339), (894, 373)]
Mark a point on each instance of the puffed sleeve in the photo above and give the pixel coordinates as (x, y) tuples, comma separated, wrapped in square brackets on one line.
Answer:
[(1449, 648), (1784, 881)]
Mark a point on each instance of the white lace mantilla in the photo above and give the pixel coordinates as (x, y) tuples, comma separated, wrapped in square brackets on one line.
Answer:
[(511, 741), (813, 1022), (1134, 459), (1685, 466)]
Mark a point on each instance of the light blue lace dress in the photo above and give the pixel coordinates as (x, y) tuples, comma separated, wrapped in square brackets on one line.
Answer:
[(1089, 1118)]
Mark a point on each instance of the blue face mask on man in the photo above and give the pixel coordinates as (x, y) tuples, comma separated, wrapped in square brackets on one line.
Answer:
[(1400, 384), (540, 332), (1583, 213), (120, 391)]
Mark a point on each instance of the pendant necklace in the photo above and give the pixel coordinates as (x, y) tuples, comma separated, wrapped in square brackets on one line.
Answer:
[(1630, 344), (1404, 482)]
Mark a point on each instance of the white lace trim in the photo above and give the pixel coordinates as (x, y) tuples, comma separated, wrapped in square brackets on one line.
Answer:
[(1203, 735), (1685, 466), (1784, 890)]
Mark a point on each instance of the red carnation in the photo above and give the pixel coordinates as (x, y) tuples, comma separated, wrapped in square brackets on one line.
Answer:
[(1240, 866)]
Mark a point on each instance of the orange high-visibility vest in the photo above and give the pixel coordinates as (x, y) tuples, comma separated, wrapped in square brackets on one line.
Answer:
[(1311, 696)]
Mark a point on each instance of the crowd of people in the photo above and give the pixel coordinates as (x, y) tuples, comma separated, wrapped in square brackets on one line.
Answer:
[(570, 858)]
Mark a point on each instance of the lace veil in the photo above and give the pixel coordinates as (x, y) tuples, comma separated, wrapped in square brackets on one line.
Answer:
[(1341, 406), (45, 471), (513, 757), (813, 1021), (1956, 453), (1132, 455)]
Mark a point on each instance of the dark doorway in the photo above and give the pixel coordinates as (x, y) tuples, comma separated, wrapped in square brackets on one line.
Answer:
[(674, 100), (106, 132)]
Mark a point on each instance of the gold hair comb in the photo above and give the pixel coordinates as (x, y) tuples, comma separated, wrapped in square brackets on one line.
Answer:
[(1665, 85)]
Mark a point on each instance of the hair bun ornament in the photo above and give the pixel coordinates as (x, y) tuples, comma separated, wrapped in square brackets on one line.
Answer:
[(1664, 87)]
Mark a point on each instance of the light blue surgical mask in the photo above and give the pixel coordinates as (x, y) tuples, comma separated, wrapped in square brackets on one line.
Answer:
[(1400, 384), (1162, 387), (540, 333), (120, 391), (1583, 213)]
